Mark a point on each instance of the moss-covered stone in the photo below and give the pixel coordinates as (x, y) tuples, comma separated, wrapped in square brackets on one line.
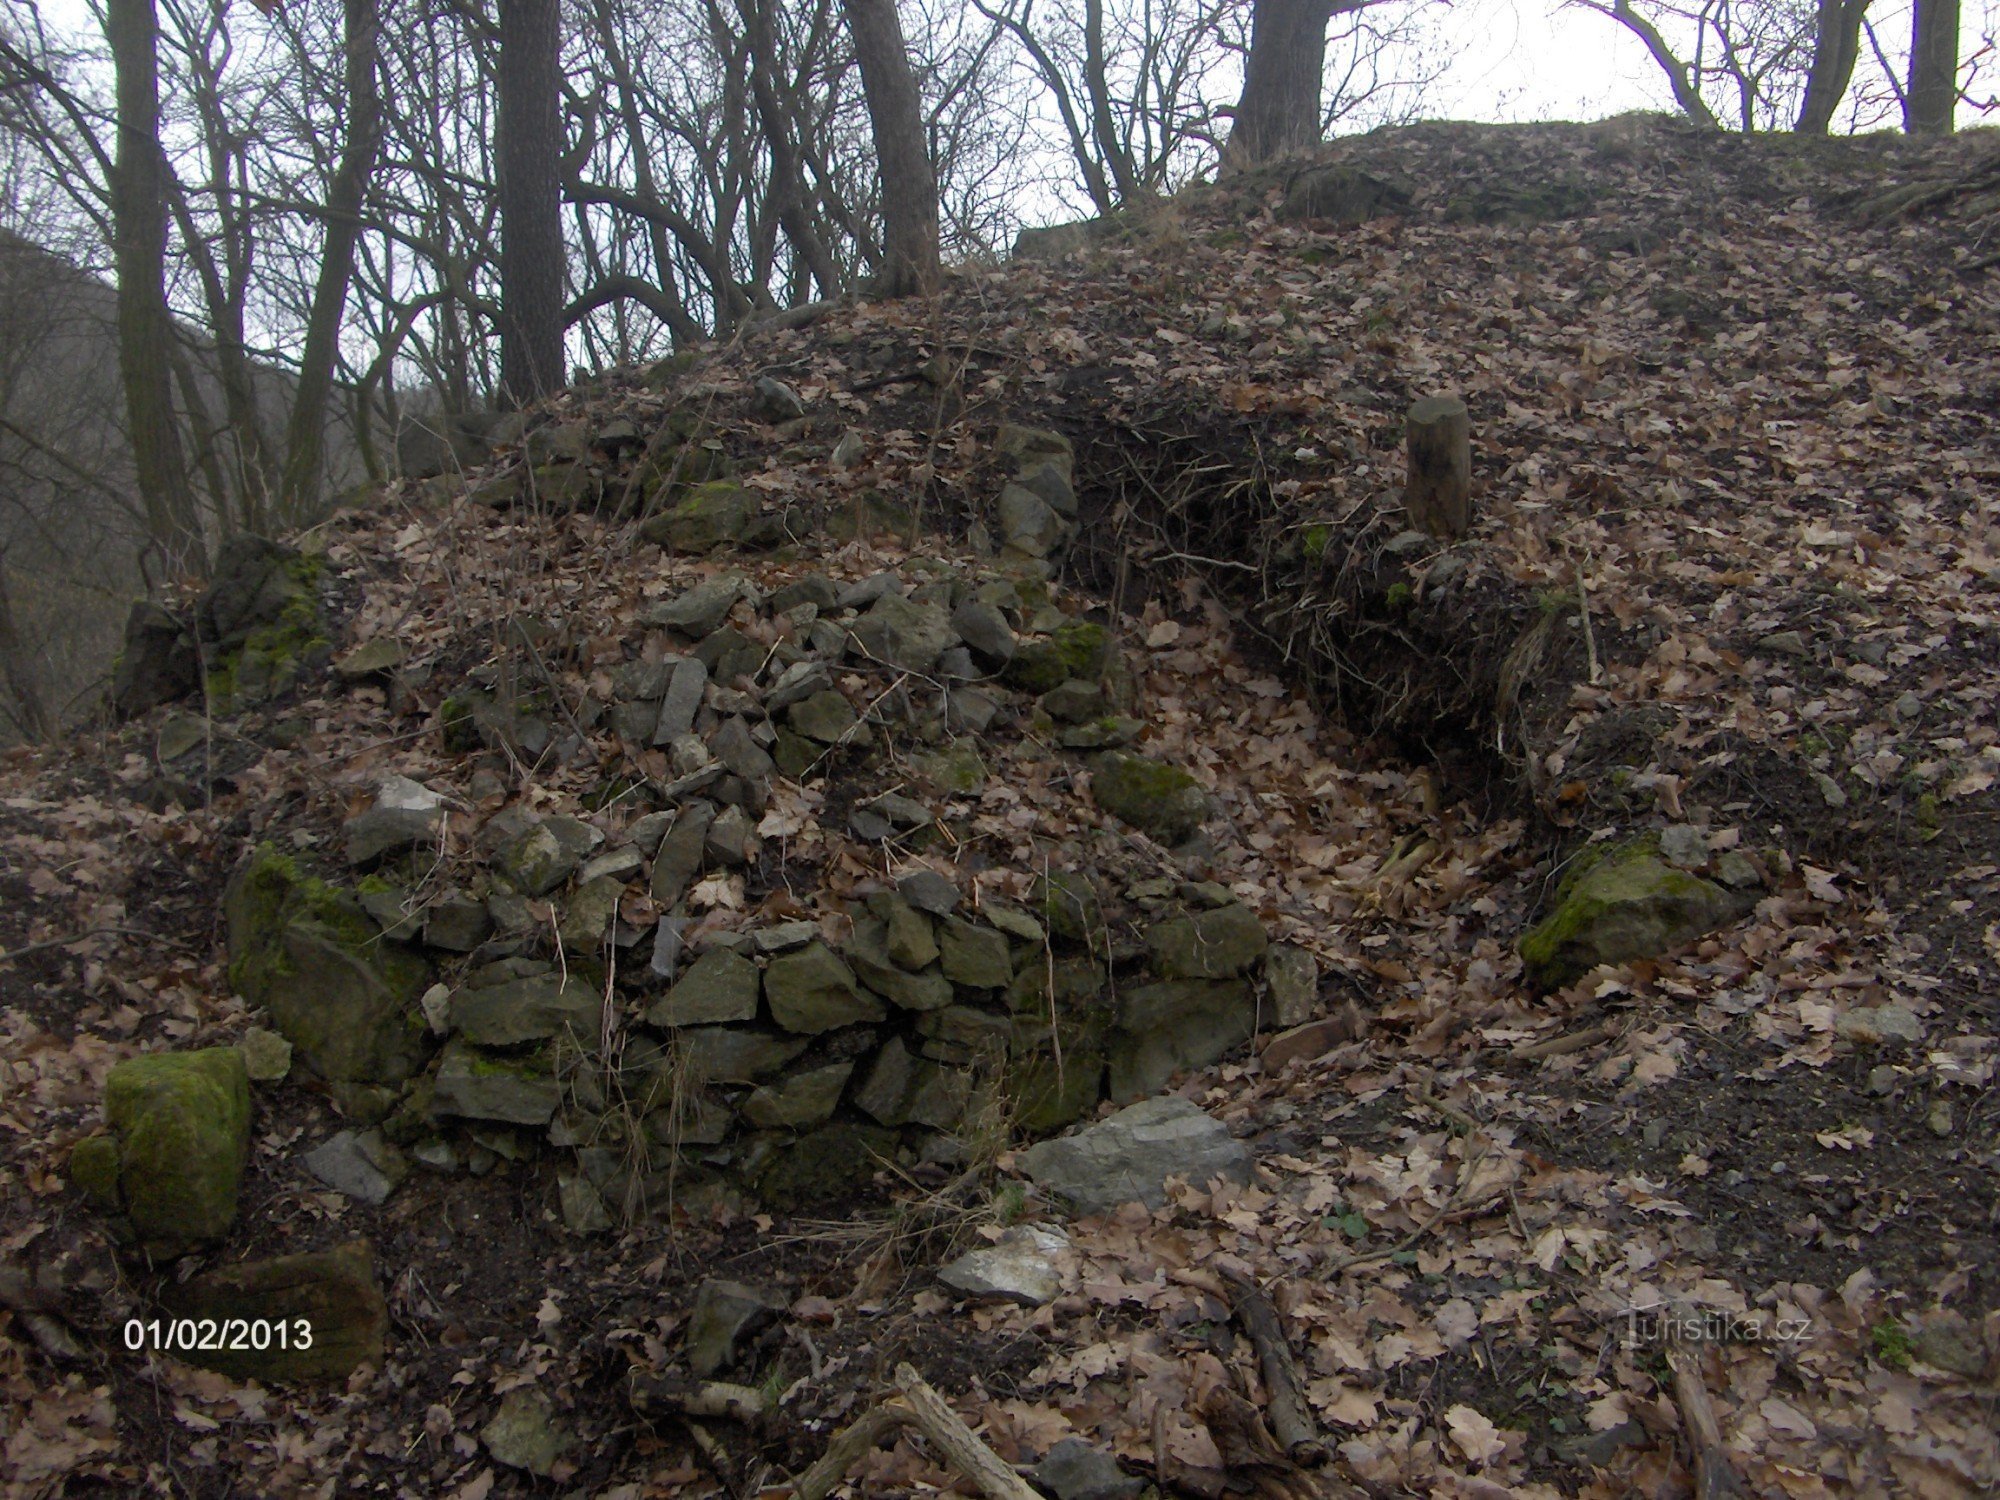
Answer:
[(717, 513), (1067, 906), (334, 988), (1621, 904), (180, 1122), (1154, 797), (323, 1314), (478, 1085), (1213, 945), (1050, 1092), (956, 770), (93, 1168), (1078, 649), (269, 638), (973, 956)]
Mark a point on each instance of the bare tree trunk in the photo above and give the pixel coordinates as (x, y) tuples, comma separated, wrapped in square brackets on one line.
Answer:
[(145, 331), (1836, 45), (1278, 115), (1933, 93), (528, 142), (305, 435), (909, 186)]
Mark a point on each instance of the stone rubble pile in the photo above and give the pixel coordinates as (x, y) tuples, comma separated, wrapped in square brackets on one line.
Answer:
[(475, 988)]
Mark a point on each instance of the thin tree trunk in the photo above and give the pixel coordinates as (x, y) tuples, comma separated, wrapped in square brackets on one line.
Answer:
[(305, 436), (1278, 115), (1836, 45), (528, 143), (1932, 96), (145, 332), (909, 186)]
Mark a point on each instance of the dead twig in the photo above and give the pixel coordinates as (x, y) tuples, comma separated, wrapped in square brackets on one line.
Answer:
[(1291, 1419), (1364, 1257), (1576, 1041), (915, 1404), (1714, 1478)]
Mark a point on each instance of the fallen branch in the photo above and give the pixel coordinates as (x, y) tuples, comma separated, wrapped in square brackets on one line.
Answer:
[(1291, 1420), (932, 1415), (63, 942), (861, 1436), (1576, 1041), (918, 1405), (708, 1398), (1714, 1478)]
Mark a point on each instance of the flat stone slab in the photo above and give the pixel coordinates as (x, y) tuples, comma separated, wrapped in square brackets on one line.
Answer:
[(1129, 1157)]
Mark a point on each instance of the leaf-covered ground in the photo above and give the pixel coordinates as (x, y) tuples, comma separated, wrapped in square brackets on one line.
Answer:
[(1735, 477)]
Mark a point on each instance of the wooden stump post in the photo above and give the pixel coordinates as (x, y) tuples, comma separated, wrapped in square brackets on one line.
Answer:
[(1438, 494)]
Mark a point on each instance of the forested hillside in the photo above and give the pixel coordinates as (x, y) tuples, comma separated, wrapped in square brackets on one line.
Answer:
[(948, 893)]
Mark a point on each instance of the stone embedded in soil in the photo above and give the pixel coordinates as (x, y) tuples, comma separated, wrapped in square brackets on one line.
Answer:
[(478, 1085), (1024, 1265), (1074, 702), (457, 923), (1129, 1157), (1627, 903), (332, 1293), (359, 1163), (718, 987), (812, 990), (700, 609), (1073, 1470), (1291, 975), (1154, 797), (1174, 1025), (1310, 1040), (724, 1314), (582, 1206), (1879, 1026), (802, 1100), (813, 589), (1214, 945), (1112, 732), (524, 1433)]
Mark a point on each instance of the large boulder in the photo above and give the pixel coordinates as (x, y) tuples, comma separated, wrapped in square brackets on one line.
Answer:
[(344, 996), (1623, 904), (180, 1133), (1216, 944), (320, 1315)]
